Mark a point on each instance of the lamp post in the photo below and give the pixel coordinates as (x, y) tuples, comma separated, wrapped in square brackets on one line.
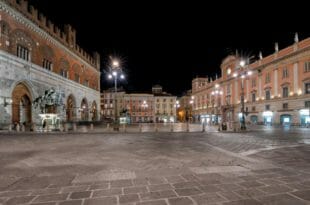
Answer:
[(191, 102), (217, 93), (177, 106), (244, 72), (115, 74), (144, 106)]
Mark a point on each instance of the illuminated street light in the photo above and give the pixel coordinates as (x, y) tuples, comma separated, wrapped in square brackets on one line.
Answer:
[(242, 74), (116, 73)]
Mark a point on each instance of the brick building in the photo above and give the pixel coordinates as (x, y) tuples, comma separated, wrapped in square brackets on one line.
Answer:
[(276, 89), (36, 56)]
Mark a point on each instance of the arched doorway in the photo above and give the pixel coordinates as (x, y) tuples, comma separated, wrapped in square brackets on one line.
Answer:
[(21, 107), (70, 111), (84, 110), (94, 111)]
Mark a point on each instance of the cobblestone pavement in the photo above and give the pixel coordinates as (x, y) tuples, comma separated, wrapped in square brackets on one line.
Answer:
[(262, 167)]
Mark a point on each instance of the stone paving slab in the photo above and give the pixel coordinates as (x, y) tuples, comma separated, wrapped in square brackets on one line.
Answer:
[(154, 169)]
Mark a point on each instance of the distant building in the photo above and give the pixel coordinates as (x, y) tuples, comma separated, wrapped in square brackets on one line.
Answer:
[(157, 106), (165, 105), (108, 104)]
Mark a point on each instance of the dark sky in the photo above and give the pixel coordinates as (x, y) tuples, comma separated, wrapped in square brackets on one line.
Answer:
[(168, 44)]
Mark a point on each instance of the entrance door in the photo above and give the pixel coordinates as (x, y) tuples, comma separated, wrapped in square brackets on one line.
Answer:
[(21, 107)]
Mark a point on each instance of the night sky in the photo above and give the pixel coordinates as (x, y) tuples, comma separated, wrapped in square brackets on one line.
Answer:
[(164, 44)]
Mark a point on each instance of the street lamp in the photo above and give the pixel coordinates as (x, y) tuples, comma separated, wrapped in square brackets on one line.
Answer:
[(217, 93), (144, 106), (244, 73), (177, 106), (115, 73)]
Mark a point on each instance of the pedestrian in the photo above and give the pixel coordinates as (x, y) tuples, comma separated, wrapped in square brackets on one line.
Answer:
[(44, 124)]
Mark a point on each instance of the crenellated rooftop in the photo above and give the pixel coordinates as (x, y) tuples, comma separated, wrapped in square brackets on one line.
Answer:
[(67, 36)]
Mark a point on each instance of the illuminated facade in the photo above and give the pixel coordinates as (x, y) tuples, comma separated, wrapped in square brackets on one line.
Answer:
[(276, 89), (36, 56)]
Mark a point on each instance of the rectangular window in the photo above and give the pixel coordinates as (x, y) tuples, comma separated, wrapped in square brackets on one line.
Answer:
[(307, 104), (307, 66), (267, 107), (267, 94), (64, 73), (285, 92), (23, 52), (285, 106), (253, 109), (253, 83), (86, 83), (285, 73), (253, 97), (307, 88), (77, 78), (267, 80), (47, 64)]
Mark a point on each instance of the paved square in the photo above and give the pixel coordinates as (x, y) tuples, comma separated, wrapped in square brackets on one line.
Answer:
[(262, 167)]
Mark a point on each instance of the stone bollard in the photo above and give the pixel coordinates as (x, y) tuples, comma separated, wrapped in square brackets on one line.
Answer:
[(84, 129), (23, 128), (108, 127), (156, 127), (10, 127), (91, 127), (203, 127), (171, 127), (124, 127), (187, 127), (65, 127), (140, 128), (17, 128), (33, 127), (74, 127)]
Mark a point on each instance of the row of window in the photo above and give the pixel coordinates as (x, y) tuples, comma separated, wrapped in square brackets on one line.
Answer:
[(24, 53), (165, 100), (284, 106)]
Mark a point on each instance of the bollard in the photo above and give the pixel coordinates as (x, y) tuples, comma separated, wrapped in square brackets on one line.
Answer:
[(171, 127), (65, 127), (92, 127), (33, 127), (74, 127), (47, 128), (10, 128), (124, 127), (17, 128), (140, 128), (108, 127), (187, 127), (203, 127), (156, 127), (84, 128)]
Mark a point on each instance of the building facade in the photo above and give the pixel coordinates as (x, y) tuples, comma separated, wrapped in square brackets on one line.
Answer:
[(275, 89), (36, 56), (157, 106), (140, 107), (108, 102)]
